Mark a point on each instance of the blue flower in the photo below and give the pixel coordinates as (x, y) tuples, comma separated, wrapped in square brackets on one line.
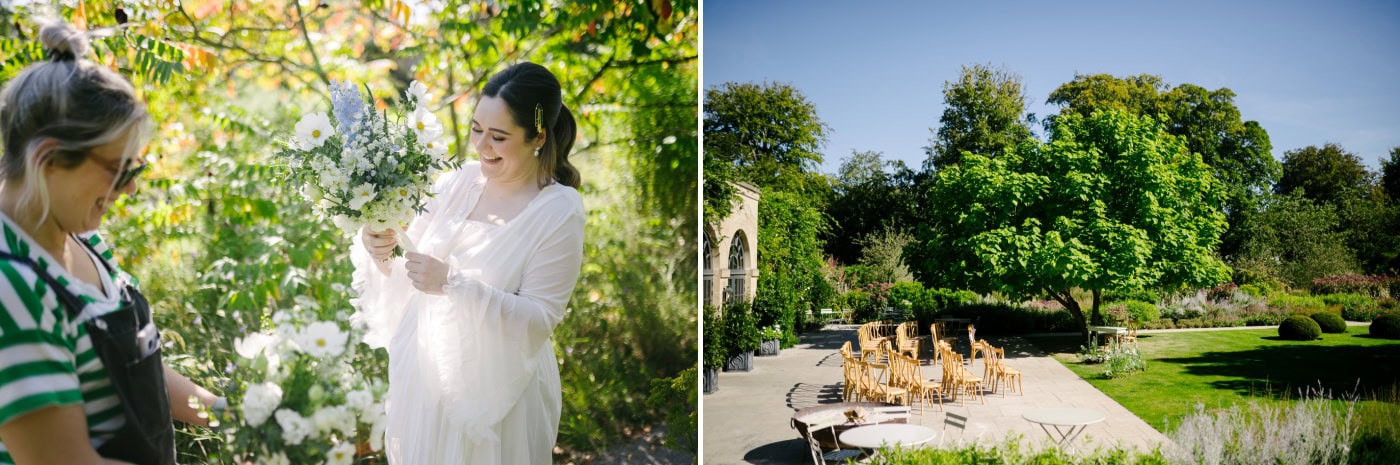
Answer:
[(347, 106)]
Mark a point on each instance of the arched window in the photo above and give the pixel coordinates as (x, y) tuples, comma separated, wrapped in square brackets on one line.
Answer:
[(738, 272), (709, 275)]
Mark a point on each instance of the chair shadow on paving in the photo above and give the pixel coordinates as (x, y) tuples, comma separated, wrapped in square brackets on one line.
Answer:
[(830, 338), (791, 451), (803, 395)]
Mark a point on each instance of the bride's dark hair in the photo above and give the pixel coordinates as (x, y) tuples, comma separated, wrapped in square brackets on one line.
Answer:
[(535, 100)]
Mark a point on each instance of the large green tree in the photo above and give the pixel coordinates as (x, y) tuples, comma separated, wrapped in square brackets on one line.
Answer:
[(1209, 123), (767, 134), (1293, 239), (983, 116), (1390, 175), (1110, 202), (869, 194), (1327, 174)]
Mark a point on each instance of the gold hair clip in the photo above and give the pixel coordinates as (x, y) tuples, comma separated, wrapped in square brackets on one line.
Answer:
[(539, 118)]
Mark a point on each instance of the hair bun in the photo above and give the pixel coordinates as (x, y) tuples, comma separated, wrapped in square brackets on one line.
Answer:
[(63, 42)]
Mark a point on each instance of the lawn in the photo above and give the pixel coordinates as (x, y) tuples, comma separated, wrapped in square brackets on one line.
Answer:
[(1222, 368)]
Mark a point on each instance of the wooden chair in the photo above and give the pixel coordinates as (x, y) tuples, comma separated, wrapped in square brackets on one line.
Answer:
[(848, 371), (921, 388), (869, 342), (906, 341), (964, 380), (1132, 333), (1006, 374), (874, 390), (821, 456)]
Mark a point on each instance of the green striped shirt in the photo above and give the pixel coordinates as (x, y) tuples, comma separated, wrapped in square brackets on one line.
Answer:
[(46, 358)]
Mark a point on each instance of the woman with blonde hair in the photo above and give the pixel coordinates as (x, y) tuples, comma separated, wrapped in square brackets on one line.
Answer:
[(81, 376)]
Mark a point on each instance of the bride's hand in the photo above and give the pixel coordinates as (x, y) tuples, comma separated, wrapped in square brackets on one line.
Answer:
[(428, 274), (380, 245)]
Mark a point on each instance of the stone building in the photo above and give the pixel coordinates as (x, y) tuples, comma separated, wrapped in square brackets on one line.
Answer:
[(730, 251)]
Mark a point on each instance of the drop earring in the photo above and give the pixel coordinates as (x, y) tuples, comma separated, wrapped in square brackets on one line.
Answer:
[(537, 152)]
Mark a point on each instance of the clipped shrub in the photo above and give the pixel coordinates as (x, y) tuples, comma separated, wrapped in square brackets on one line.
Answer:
[(1299, 328), (1142, 312), (1330, 322), (1354, 307), (1386, 326)]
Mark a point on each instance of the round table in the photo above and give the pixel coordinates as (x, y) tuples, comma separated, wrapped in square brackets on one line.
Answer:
[(888, 434), (1068, 422)]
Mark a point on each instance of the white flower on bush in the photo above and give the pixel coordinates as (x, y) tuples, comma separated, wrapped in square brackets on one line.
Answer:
[(313, 130), (336, 418), (420, 93), (295, 428), (250, 347), (425, 124), (259, 401), (275, 459), (361, 195), (341, 454), (437, 148), (322, 339), (360, 400)]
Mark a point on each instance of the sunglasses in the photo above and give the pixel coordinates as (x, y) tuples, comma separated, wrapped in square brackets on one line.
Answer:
[(125, 177)]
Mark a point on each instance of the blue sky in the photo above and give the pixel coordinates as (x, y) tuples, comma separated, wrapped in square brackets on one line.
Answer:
[(1309, 72)]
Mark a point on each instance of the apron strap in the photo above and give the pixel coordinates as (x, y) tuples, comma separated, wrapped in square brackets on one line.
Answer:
[(70, 302)]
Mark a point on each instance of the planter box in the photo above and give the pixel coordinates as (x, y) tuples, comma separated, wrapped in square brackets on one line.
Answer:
[(769, 348), (740, 362), (711, 380)]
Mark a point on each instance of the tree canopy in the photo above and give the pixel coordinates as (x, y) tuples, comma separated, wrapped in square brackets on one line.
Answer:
[(983, 116), (1328, 174), (1112, 201), (769, 134), (1238, 151)]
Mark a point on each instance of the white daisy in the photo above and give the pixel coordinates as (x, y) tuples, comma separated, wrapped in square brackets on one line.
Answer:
[(341, 454), (420, 93), (321, 339), (425, 124), (313, 130), (361, 195), (295, 428)]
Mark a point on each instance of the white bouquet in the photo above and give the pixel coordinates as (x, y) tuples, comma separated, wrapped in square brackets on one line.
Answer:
[(299, 396), (365, 168)]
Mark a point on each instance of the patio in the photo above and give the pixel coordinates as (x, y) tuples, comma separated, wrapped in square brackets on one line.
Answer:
[(746, 421)]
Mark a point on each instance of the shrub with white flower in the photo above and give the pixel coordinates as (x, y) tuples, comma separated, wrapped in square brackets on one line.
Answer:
[(299, 397), (368, 167)]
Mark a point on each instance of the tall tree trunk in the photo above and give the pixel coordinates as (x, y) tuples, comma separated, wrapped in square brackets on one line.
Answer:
[(1097, 317), (1067, 300)]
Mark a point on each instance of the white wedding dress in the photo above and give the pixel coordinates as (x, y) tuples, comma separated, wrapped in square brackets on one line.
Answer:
[(472, 374)]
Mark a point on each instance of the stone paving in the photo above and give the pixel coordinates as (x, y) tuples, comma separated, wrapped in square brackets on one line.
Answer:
[(747, 420)]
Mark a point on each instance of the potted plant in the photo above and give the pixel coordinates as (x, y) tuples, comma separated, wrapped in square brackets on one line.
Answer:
[(770, 338), (714, 349), (740, 337)]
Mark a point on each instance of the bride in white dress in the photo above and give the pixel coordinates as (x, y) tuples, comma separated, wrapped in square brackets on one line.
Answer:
[(467, 322)]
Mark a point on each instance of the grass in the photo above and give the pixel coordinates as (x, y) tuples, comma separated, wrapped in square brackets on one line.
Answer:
[(1224, 368)]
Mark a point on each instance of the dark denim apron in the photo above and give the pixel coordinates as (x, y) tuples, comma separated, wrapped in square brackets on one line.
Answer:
[(128, 344)]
